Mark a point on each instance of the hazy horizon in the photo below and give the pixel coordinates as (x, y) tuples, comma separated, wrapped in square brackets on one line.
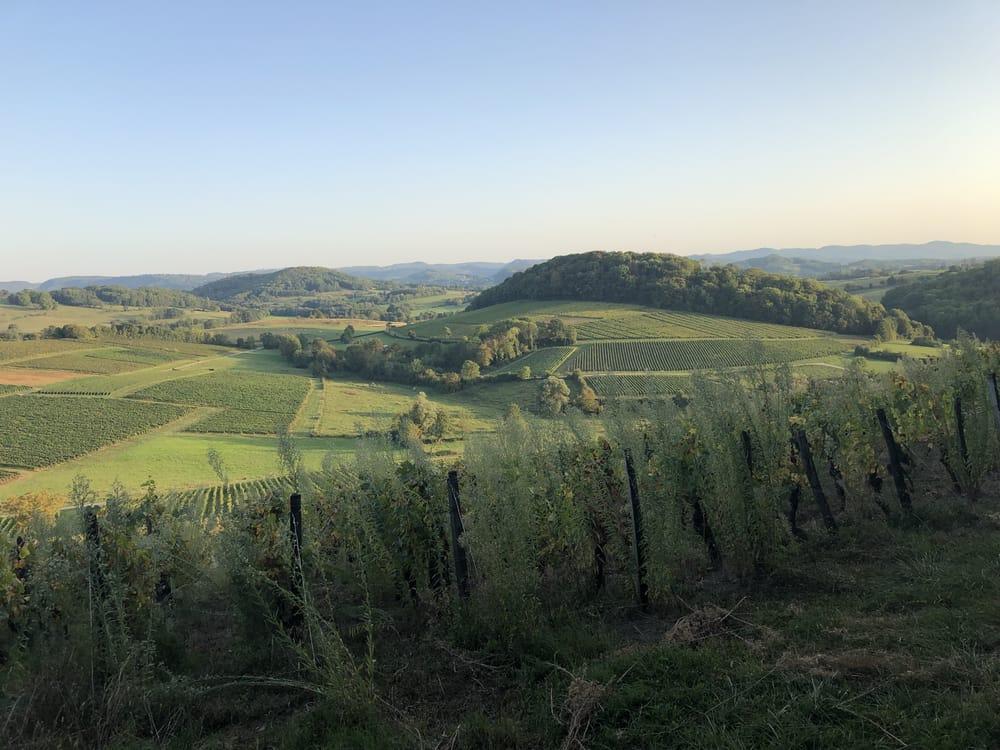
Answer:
[(196, 138)]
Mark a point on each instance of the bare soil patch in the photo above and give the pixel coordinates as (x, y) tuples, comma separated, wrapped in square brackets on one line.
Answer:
[(32, 377)]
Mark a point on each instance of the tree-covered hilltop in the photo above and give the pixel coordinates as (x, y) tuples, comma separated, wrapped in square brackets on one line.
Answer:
[(287, 282), (676, 283), (959, 298), (96, 296)]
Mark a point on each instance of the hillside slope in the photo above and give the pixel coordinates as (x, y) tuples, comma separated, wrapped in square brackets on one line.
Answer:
[(676, 283), (283, 283), (966, 299)]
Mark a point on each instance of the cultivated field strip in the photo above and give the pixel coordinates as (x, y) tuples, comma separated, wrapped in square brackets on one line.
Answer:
[(625, 386), (540, 361), (251, 402), (18, 350), (211, 502), (696, 354), (682, 325), (48, 429)]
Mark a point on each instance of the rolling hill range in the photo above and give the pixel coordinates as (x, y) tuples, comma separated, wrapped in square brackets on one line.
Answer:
[(947, 252), (179, 281), (469, 275)]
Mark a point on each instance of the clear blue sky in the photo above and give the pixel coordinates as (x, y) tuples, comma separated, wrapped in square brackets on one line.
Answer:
[(197, 136)]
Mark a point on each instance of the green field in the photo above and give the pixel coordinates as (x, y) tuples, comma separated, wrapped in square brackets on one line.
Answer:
[(51, 429), (541, 361), (29, 320), (14, 351), (250, 402), (681, 355), (176, 461), (619, 386), (234, 398)]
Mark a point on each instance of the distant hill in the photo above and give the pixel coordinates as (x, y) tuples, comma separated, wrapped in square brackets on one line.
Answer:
[(471, 275), (287, 282), (179, 281), (677, 283), (963, 298), (843, 254)]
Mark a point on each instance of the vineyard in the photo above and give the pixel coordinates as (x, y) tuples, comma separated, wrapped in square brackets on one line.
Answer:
[(209, 503), (53, 429), (682, 325), (541, 361), (102, 361), (617, 386), (8, 389), (697, 354), (251, 402), (17, 350)]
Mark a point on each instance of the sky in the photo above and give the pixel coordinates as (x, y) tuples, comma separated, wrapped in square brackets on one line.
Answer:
[(205, 136)]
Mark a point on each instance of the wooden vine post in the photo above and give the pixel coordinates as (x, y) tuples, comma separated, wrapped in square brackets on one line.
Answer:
[(295, 534), (819, 494), (994, 389), (896, 461), (638, 536), (457, 529), (963, 446), (92, 530)]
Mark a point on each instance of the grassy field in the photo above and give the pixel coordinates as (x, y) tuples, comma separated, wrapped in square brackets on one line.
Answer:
[(681, 355), (175, 460), (349, 406), (874, 287), (541, 361), (29, 320)]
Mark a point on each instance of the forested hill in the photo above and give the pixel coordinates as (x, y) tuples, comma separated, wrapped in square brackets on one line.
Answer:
[(673, 282), (960, 298), (284, 283), (96, 296)]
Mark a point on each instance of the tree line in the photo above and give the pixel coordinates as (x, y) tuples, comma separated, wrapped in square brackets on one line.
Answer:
[(447, 365)]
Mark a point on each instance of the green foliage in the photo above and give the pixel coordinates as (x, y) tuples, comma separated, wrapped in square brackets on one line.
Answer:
[(959, 299), (553, 395), (286, 282)]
